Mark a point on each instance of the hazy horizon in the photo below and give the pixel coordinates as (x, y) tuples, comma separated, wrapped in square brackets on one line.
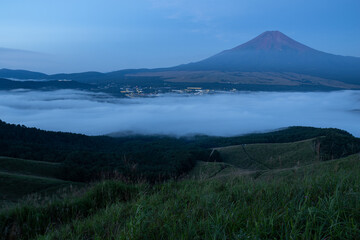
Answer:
[(77, 36), (180, 115)]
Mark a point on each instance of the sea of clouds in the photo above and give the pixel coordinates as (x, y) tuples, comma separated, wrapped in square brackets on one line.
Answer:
[(219, 114)]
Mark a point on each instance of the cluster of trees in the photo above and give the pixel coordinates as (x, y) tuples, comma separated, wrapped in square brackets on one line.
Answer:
[(151, 158), (85, 158)]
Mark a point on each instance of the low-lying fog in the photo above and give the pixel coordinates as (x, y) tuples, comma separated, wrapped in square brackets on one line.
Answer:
[(220, 114)]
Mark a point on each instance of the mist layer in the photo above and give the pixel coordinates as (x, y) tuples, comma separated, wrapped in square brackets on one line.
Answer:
[(219, 114)]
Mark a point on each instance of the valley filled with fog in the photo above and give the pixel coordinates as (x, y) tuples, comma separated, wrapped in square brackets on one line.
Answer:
[(224, 114)]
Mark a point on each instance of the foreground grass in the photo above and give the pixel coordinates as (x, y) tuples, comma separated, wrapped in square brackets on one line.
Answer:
[(31, 218), (319, 201)]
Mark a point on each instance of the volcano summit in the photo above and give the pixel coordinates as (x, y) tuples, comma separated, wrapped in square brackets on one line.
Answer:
[(275, 52)]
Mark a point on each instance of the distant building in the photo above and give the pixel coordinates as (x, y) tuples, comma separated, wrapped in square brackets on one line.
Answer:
[(194, 88)]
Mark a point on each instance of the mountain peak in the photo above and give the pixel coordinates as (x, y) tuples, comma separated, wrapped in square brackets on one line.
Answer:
[(272, 41)]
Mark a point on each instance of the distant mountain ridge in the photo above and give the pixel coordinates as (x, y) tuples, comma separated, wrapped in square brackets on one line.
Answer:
[(6, 84), (272, 58)]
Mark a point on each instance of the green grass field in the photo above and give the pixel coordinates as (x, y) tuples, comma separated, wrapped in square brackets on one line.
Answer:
[(320, 200), (259, 191)]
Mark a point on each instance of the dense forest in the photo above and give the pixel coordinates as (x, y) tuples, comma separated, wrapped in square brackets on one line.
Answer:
[(85, 158), (151, 158)]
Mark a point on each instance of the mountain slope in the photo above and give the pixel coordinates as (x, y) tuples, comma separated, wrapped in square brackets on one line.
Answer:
[(273, 51)]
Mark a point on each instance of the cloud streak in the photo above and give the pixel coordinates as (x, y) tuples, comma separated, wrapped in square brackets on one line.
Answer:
[(22, 59), (220, 114), (196, 11)]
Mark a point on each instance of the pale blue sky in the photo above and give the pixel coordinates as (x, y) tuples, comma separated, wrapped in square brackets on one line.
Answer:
[(106, 35)]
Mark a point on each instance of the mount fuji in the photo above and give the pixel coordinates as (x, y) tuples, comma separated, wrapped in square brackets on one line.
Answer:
[(270, 60)]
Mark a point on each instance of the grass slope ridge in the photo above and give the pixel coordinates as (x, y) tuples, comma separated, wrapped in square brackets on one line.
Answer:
[(271, 156)]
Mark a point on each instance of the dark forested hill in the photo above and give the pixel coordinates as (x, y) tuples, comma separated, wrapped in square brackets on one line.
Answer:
[(86, 158), (154, 158)]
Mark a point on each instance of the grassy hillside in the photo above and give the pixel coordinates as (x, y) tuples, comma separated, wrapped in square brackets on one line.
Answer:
[(206, 170), (316, 201), (256, 159), (256, 186), (272, 155), (20, 177)]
